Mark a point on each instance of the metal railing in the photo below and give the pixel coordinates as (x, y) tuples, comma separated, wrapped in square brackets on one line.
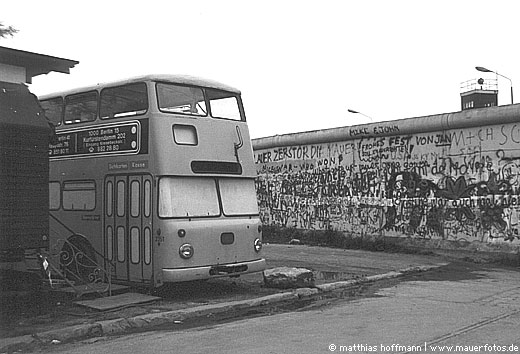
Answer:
[(74, 261), (474, 84)]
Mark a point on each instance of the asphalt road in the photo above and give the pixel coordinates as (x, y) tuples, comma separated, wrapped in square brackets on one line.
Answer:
[(476, 307), (482, 311)]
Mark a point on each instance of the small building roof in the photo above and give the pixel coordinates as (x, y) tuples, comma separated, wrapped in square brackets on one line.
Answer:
[(35, 64)]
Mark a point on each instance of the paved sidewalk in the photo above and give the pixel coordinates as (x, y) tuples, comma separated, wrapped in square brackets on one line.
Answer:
[(334, 269)]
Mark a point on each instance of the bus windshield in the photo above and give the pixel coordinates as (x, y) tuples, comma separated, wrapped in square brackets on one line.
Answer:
[(181, 99), (238, 196), (193, 101), (223, 104), (177, 196)]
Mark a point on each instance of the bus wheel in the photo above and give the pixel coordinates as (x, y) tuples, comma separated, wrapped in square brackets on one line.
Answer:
[(78, 260)]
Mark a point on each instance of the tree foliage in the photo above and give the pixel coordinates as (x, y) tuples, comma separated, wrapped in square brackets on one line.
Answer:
[(7, 30)]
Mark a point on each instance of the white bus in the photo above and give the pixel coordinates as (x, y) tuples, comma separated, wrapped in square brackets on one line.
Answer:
[(154, 178)]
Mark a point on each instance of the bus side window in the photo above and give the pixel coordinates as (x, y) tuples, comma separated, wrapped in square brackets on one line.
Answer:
[(53, 110), (109, 198), (124, 101), (135, 199), (121, 202), (147, 198), (54, 195), (79, 195), (81, 107)]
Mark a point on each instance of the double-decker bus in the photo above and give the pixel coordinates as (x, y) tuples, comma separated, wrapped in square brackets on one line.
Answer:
[(154, 177)]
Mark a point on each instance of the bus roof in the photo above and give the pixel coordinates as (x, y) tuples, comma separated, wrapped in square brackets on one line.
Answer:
[(177, 79)]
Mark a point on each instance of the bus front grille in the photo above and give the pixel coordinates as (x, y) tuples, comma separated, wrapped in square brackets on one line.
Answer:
[(227, 269)]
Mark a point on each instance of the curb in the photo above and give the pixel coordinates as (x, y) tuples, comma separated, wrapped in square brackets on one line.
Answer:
[(148, 321), (340, 285)]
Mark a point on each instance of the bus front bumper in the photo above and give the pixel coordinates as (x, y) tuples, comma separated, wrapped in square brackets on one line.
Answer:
[(215, 271)]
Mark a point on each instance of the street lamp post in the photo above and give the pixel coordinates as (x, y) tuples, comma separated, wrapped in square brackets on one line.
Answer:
[(484, 70), (357, 112)]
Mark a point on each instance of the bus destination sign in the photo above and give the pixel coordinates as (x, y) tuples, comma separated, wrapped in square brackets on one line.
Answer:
[(109, 139)]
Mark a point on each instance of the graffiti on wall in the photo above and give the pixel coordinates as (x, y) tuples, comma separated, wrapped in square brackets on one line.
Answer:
[(461, 184)]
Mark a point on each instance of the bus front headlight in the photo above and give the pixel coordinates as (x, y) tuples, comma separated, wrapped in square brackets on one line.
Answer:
[(186, 251), (258, 245)]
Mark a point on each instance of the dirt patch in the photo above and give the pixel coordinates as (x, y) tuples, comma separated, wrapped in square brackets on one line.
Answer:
[(330, 238), (33, 312)]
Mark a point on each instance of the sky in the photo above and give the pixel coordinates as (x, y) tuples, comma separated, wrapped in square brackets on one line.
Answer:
[(301, 65)]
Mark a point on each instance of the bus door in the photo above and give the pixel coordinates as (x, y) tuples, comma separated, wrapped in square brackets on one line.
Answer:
[(128, 226)]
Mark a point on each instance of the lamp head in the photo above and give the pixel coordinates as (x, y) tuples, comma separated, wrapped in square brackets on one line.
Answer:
[(484, 70)]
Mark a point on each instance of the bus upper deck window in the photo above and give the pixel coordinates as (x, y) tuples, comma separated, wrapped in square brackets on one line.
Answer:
[(81, 107), (224, 104), (181, 99), (53, 110), (123, 101)]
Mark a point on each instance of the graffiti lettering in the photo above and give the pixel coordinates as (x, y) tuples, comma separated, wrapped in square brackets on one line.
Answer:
[(461, 184)]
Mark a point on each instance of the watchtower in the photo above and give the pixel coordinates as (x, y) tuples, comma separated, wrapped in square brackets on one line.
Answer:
[(477, 93)]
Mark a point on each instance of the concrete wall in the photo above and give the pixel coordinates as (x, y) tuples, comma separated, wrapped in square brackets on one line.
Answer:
[(450, 177)]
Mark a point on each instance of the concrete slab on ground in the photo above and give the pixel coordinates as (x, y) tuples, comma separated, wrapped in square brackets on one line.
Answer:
[(117, 301)]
